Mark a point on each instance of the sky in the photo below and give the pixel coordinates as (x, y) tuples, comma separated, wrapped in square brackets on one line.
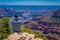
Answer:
[(29, 2)]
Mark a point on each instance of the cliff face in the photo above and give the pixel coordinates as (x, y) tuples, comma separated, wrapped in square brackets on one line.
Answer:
[(56, 14), (22, 36)]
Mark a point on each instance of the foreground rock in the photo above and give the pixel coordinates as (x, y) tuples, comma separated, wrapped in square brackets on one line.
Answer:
[(22, 36)]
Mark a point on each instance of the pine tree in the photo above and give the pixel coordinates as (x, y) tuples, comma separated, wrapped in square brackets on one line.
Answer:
[(6, 29)]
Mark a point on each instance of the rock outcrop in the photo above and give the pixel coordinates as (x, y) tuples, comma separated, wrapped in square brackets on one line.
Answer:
[(22, 36)]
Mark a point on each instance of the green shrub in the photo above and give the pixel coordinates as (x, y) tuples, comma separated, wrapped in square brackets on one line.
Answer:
[(31, 32), (45, 38), (4, 35), (27, 30), (5, 29)]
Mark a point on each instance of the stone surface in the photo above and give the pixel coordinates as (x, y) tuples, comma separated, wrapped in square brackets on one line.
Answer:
[(22, 36)]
